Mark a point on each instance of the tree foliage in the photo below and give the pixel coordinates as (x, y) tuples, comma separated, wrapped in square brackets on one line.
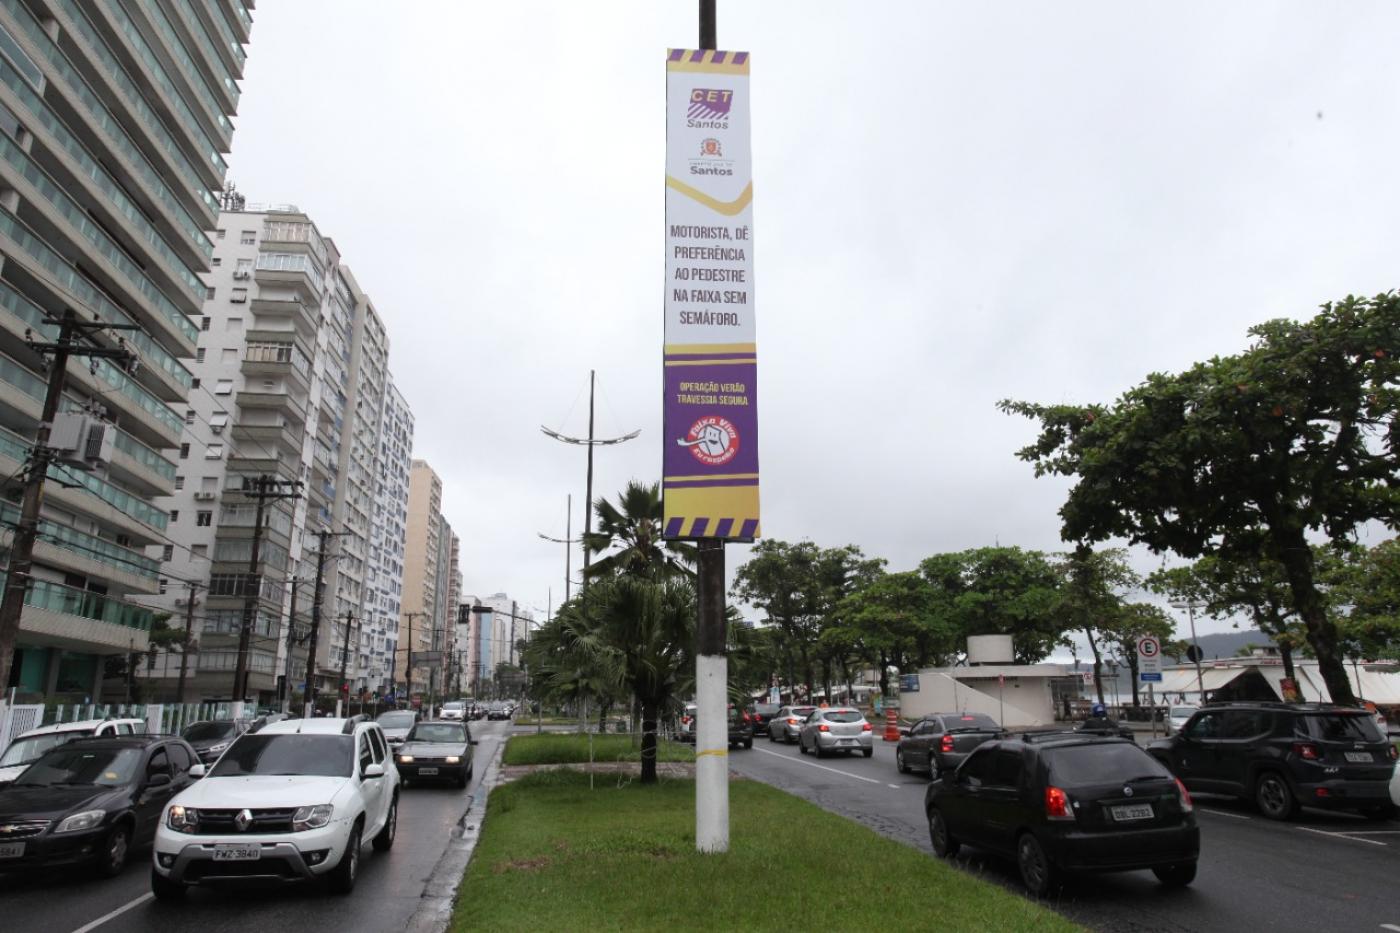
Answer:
[(631, 532), (999, 591)]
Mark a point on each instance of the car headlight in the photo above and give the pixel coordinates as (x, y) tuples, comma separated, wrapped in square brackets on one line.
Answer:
[(81, 821), (182, 819), (453, 759), (406, 759), (217, 748), (311, 817)]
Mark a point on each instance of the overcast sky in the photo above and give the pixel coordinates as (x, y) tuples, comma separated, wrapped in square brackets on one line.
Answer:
[(954, 203)]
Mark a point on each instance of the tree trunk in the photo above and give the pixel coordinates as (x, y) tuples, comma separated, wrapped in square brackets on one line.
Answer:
[(1133, 672), (1285, 651), (1098, 661), (648, 742), (1297, 560), (884, 675)]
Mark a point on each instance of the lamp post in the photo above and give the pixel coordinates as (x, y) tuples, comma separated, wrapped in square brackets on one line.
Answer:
[(568, 541), (1190, 605)]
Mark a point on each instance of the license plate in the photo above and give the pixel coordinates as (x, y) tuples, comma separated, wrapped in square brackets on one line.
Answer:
[(849, 742), (237, 853), (11, 850), (1359, 757), (1135, 811), (427, 771)]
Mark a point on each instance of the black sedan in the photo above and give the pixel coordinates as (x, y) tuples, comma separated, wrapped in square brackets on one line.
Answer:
[(941, 741), (91, 801), (209, 738), (1067, 802), (440, 750)]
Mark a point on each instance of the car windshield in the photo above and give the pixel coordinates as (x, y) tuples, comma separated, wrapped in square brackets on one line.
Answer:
[(319, 755), (23, 751), (844, 715), (765, 709), (454, 704), (969, 721), (205, 731), (399, 720), (1183, 712), (803, 710), (436, 732), (1356, 727), (110, 767), (1101, 763)]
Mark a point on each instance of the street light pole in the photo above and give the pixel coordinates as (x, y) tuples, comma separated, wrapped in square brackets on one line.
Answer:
[(568, 541), (1190, 605)]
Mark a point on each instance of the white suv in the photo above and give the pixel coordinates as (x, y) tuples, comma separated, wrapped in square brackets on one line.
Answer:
[(30, 747), (293, 801)]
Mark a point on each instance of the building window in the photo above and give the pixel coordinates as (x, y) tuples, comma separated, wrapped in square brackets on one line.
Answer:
[(167, 552), (203, 519), (184, 451), (201, 551), (209, 294), (229, 354), (174, 516), (199, 355), (244, 269), (179, 482), (233, 325), (163, 584), (220, 233), (189, 416), (218, 421), (205, 321), (248, 237), (223, 387), (194, 383), (239, 296), (213, 451), (216, 262)]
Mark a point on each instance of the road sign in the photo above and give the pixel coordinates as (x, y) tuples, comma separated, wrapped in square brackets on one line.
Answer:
[(1149, 652)]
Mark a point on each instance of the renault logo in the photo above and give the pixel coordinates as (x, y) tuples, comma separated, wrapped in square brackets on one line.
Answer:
[(1127, 792), (243, 820)]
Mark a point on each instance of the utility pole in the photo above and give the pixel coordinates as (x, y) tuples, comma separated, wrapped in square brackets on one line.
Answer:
[(286, 697), (75, 338), (344, 660), (189, 640), (408, 667), (265, 489), (323, 537), (711, 662)]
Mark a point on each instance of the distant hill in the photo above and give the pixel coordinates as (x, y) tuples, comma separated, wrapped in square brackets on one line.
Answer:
[(1226, 644)]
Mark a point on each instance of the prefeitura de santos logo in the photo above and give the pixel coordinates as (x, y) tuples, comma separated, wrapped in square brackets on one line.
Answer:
[(712, 440)]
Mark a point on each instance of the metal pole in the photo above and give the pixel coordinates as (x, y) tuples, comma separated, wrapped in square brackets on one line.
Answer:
[(189, 638), (286, 697), (568, 548), (1200, 683), (588, 498), (309, 694), (344, 662), (252, 589)]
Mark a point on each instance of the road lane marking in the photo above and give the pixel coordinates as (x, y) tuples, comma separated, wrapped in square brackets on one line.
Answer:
[(1323, 832), (116, 913), (895, 786), (1238, 816), (1390, 926), (813, 764)]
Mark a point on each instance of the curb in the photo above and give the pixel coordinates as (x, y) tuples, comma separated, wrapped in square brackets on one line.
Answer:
[(434, 911)]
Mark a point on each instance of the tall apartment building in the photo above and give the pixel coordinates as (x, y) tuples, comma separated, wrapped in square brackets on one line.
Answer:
[(293, 364), (114, 118), (388, 532), (497, 625), (425, 579)]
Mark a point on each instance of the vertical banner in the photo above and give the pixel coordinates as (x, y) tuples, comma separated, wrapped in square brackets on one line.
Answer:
[(710, 415)]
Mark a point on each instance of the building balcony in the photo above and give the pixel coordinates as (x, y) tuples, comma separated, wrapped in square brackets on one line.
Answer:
[(297, 272), (284, 360), (78, 620), (67, 548), (284, 436), (303, 318)]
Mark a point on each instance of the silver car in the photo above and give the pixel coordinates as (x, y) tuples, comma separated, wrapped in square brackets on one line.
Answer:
[(837, 729), (784, 725)]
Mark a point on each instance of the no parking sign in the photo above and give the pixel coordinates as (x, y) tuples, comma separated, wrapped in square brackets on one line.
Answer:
[(1149, 652)]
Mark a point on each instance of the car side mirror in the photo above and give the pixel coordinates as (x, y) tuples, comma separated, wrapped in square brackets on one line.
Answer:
[(374, 770), (197, 771), (903, 730), (159, 779), (471, 741)]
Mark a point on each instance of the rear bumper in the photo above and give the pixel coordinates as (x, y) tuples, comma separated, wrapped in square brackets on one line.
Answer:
[(1124, 850), (1344, 794), (827, 741)]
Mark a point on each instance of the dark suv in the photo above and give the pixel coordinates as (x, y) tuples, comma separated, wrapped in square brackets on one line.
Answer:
[(1285, 755), (1066, 802)]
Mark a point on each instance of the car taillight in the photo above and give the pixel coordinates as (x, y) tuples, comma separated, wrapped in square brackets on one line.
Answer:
[(1057, 805), (946, 745), (865, 727), (685, 720), (1394, 752), (1186, 805), (1305, 750), (791, 721), (746, 717), (823, 728)]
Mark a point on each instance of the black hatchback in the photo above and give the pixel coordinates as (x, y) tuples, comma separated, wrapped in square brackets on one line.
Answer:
[(1066, 802), (91, 801)]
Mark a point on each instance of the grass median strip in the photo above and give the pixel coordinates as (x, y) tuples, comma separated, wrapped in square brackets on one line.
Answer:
[(554, 855), (573, 748)]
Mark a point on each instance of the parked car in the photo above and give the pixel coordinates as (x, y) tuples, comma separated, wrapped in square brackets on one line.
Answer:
[(685, 725), (497, 710), (92, 800), (740, 727), (30, 746), (1177, 717), (787, 722), (837, 729), (396, 724), (1285, 755), (941, 741), (437, 750), (209, 738), (292, 802), (760, 714), (1066, 802)]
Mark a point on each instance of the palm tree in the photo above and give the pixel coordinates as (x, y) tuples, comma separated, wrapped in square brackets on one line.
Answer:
[(632, 530)]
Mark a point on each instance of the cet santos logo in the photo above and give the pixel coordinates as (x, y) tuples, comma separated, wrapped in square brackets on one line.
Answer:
[(712, 440), (709, 107)]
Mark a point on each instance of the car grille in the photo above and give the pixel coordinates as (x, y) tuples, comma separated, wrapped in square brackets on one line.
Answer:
[(22, 830), (264, 867), (220, 822)]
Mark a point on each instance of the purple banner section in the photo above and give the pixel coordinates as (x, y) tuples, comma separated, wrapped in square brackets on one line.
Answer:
[(711, 421)]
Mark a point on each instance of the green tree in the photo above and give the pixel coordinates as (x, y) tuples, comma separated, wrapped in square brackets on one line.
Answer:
[(1131, 622), (1246, 455), (999, 591), (1363, 589), (1090, 600), (892, 621), (631, 530)]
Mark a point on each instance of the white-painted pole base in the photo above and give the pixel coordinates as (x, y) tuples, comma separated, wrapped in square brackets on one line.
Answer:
[(712, 753)]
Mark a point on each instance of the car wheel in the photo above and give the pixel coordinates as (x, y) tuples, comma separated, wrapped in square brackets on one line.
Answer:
[(1273, 796), (790, 739), (115, 848), (867, 752), (1176, 876), (944, 845), (385, 840), (164, 889), (748, 743), (801, 747), (817, 748), (1384, 812), (342, 878), (1040, 877), (900, 763), (771, 737), (463, 778)]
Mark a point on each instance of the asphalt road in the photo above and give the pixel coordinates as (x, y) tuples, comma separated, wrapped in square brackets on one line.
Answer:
[(389, 889), (1324, 871)]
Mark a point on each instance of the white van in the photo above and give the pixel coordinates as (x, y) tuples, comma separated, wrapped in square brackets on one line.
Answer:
[(30, 746)]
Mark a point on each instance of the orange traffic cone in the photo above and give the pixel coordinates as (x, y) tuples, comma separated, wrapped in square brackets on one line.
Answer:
[(891, 725)]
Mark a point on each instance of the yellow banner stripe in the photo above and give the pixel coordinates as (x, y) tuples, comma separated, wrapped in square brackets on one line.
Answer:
[(672, 479), (727, 208), (711, 348), (724, 68), (717, 752), (709, 362)]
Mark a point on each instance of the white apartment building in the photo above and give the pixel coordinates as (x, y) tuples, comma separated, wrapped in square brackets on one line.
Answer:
[(113, 121), (495, 627), (384, 571)]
